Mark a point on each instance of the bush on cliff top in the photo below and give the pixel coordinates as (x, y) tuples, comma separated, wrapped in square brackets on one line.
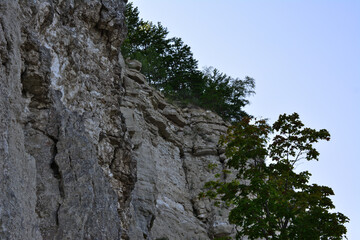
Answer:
[(169, 66)]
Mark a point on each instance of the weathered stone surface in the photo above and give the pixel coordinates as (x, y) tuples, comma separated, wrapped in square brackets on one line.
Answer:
[(133, 64), (173, 115), (18, 219), (136, 76), (60, 98), (173, 149), (88, 150)]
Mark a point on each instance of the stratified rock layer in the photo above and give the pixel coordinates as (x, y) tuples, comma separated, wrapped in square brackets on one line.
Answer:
[(173, 148), (88, 150)]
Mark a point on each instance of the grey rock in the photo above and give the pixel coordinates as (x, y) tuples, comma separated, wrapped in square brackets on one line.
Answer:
[(136, 76), (18, 198), (134, 64), (55, 183), (88, 150), (174, 116), (173, 148)]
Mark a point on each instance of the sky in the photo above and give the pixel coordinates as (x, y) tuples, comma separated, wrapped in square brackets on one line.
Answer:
[(304, 56)]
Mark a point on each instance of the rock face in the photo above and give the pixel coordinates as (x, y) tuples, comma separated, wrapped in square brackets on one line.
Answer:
[(88, 150), (173, 148)]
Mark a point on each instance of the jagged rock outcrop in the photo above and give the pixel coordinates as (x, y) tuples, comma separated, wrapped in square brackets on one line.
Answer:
[(88, 150), (173, 148)]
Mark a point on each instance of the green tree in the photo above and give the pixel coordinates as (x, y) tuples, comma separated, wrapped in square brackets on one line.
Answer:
[(229, 94), (169, 66), (272, 201), (166, 61)]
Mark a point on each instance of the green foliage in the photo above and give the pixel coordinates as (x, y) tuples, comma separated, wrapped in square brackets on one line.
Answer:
[(212, 166), (168, 63), (272, 201), (222, 238), (169, 66), (225, 95)]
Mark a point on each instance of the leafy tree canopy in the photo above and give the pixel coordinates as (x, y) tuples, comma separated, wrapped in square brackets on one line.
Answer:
[(272, 201), (169, 66)]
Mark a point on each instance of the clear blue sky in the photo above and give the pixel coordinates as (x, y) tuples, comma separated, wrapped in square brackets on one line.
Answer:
[(305, 58)]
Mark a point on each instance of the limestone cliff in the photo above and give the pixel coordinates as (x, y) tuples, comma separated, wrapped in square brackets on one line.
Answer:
[(88, 150)]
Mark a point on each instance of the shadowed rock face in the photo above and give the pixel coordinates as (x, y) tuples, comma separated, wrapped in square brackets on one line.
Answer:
[(88, 150), (60, 93)]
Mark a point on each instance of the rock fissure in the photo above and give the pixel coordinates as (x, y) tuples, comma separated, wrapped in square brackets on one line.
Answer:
[(3, 43), (57, 215), (185, 169)]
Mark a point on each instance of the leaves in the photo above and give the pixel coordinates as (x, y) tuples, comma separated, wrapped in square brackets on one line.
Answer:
[(294, 142), (272, 201), (170, 66)]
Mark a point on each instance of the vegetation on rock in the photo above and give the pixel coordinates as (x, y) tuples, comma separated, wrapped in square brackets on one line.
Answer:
[(169, 66), (271, 200)]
